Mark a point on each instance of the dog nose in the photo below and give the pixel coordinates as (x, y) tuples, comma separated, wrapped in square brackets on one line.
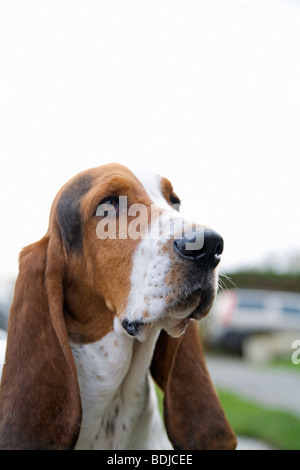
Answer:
[(205, 247)]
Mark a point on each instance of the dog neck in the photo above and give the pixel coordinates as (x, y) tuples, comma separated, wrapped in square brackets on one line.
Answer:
[(119, 401)]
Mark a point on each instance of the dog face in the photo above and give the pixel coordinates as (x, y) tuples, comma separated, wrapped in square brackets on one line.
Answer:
[(131, 253), (117, 256)]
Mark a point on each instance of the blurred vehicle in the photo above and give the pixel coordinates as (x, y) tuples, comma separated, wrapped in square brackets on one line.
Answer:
[(258, 324)]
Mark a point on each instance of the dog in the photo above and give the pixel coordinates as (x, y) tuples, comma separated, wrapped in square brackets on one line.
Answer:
[(106, 304)]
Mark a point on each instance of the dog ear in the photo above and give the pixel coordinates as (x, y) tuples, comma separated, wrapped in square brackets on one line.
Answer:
[(40, 405), (193, 414)]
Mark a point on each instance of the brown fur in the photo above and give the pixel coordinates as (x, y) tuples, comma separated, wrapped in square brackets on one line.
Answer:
[(193, 414), (72, 287), (39, 402)]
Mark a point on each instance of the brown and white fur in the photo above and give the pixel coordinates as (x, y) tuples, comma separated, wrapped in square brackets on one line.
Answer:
[(76, 375)]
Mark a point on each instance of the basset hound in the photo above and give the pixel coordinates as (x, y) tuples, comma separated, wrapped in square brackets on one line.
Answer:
[(98, 316)]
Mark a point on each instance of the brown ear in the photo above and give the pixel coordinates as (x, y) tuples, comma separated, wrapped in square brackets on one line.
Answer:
[(40, 404), (193, 414)]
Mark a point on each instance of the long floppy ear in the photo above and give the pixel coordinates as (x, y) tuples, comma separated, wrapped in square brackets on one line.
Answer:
[(193, 414), (40, 404)]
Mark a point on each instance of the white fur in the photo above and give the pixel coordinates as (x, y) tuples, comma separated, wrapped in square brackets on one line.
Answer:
[(148, 290), (152, 185), (119, 402)]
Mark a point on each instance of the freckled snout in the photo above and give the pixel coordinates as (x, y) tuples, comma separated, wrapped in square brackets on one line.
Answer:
[(175, 288), (205, 247)]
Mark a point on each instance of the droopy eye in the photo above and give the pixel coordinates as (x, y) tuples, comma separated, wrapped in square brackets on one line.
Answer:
[(108, 206)]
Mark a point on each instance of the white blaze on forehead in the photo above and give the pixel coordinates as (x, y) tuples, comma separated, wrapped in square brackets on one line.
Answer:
[(170, 223), (170, 220), (152, 185)]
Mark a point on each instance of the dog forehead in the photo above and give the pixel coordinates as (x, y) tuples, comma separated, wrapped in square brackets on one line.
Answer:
[(153, 185)]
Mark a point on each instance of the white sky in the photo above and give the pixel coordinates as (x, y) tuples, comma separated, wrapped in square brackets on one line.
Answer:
[(206, 93)]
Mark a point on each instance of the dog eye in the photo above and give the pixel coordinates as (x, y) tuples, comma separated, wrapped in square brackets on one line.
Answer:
[(108, 206)]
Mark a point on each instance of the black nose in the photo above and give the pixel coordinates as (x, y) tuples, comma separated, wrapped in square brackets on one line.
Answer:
[(204, 247)]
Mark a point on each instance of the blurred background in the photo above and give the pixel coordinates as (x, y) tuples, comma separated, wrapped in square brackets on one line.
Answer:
[(205, 93)]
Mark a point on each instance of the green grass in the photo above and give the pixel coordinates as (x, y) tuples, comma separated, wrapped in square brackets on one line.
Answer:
[(279, 428), (284, 363), (160, 397)]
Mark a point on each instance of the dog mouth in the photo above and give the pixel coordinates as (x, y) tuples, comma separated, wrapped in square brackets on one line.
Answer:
[(195, 305)]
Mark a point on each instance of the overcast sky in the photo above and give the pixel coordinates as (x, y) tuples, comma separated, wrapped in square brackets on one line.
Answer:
[(206, 93)]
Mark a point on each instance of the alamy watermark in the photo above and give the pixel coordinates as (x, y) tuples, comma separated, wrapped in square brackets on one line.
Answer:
[(120, 221), (296, 354)]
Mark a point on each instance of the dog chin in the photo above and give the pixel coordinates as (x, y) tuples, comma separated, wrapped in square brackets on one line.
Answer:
[(137, 330), (174, 327), (174, 320)]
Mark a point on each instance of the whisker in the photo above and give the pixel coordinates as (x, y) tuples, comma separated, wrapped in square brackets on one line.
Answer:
[(223, 274)]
